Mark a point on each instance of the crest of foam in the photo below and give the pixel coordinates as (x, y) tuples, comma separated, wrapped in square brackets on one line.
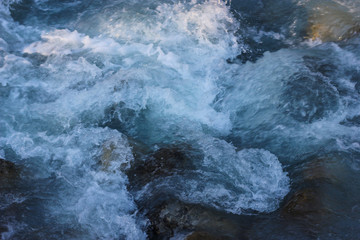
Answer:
[(188, 53)]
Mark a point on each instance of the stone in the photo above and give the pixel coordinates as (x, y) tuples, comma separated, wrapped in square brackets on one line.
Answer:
[(115, 154), (168, 216), (330, 21), (161, 163), (324, 168), (203, 236), (318, 190), (317, 204), (7, 170), (306, 203), (202, 222)]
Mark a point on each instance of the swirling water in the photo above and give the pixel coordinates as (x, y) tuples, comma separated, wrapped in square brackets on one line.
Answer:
[(91, 89)]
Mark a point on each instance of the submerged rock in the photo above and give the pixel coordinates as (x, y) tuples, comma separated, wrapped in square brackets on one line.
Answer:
[(319, 190), (115, 155), (168, 215), (203, 236), (321, 202), (305, 203), (331, 21), (174, 217), (7, 170), (329, 169), (163, 162)]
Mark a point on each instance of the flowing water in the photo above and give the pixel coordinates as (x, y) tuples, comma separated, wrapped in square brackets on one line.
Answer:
[(249, 92)]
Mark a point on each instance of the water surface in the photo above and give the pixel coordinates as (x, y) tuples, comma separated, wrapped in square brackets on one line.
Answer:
[(111, 108)]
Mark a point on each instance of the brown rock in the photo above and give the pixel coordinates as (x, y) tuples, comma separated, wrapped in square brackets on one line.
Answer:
[(320, 189), (203, 236), (330, 21), (329, 169), (113, 151), (306, 202), (163, 162), (176, 216), (107, 155), (324, 192), (169, 216)]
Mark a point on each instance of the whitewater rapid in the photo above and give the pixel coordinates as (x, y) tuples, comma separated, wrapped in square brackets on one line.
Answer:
[(79, 88)]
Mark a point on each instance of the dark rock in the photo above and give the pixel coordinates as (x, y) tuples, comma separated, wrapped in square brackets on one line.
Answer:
[(167, 215), (304, 203), (318, 191), (320, 202), (3, 229), (269, 16), (127, 123), (139, 149), (7, 170), (203, 236), (35, 58), (324, 168), (250, 55), (163, 162), (175, 216)]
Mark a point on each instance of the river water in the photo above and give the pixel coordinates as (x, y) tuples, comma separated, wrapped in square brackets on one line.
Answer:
[(249, 93)]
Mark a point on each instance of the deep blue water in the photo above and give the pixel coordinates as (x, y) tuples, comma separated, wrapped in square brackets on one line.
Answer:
[(112, 108)]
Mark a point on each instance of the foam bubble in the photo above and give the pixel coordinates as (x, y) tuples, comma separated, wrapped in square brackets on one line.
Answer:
[(96, 199), (161, 70), (174, 78), (251, 178), (229, 180)]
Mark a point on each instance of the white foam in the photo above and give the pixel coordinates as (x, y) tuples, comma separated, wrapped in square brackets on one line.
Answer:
[(168, 63), (250, 179), (97, 199), (184, 85)]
